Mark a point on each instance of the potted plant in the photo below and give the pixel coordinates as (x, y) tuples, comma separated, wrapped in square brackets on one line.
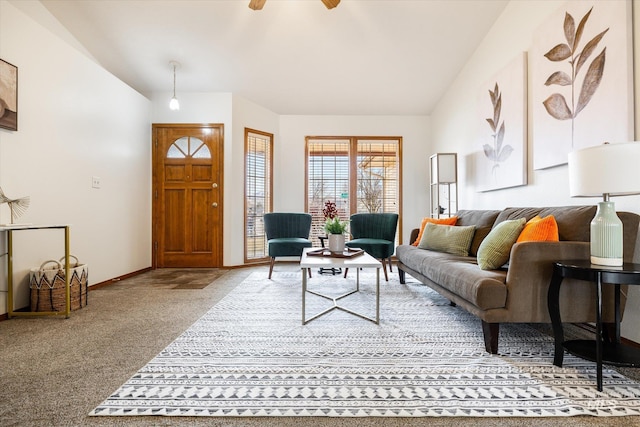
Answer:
[(334, 228)]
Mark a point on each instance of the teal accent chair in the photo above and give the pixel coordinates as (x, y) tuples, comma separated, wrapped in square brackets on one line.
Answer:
[(287, 235), (375, 233)]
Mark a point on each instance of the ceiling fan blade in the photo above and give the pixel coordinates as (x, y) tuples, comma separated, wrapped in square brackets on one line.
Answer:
[(258, 4), (331, 3)]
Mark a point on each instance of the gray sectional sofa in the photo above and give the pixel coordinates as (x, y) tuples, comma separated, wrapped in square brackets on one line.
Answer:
[(517, 292)]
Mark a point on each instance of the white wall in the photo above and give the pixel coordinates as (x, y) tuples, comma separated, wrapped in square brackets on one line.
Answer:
[(75, 121), (453, 130), (289, 165)]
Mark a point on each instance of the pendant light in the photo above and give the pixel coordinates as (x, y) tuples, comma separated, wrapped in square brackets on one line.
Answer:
[(174, 104)]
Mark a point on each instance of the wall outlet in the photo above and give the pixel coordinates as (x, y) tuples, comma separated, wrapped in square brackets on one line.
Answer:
[(95, 182)]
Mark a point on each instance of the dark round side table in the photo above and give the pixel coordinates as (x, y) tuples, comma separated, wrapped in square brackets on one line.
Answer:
[(613, 353)]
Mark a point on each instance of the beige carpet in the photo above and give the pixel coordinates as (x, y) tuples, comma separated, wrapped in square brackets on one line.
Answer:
[(54, 371)]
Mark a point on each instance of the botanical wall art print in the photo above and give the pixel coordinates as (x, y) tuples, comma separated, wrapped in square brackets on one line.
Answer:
[(582, 86), (502, 159), (8, 96)]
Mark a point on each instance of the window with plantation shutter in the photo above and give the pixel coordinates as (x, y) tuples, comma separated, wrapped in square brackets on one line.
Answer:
[(358, 174), (258, 192)]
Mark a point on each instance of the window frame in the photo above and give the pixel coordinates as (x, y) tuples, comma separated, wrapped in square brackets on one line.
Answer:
[(268, 207), (353, 154)]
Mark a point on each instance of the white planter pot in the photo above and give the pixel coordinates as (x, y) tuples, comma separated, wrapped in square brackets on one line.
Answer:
[(336, 243)]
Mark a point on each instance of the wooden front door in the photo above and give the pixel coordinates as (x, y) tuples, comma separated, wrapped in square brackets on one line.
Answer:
[(187, 195)]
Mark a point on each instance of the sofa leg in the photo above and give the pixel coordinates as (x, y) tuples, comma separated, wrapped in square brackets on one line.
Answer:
[(403, 280), (273, 260), (491, 331)]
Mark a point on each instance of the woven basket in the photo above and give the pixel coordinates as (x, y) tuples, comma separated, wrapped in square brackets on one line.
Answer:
[(47, 286)]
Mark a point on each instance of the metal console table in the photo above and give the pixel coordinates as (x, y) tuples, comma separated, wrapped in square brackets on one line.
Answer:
[(9, 229)]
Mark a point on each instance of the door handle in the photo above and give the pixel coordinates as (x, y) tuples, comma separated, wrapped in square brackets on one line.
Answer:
[(214, 185), (214, 204)]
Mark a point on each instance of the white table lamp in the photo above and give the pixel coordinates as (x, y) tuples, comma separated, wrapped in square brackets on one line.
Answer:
[(605, 171)]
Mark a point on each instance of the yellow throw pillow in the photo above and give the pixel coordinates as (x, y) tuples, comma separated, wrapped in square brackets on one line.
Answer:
[(540, 230), (442, 221), (495, 249)]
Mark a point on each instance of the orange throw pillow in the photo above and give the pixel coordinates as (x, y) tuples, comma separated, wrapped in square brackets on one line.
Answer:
[(540, 230), (441, 221)]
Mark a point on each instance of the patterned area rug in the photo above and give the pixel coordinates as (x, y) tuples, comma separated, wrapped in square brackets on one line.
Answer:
[(250, 355)]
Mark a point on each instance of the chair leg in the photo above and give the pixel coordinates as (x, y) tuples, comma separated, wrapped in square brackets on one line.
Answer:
[(384, 268), (390, 268), (273, 260), (346, 270), (309, 272)]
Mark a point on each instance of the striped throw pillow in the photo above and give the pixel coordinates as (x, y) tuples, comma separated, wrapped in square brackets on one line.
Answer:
[(452, 239), (495, 249), (539, 229)]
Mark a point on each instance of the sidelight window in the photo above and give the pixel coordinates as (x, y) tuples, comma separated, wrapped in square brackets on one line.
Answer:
[(258, 192)]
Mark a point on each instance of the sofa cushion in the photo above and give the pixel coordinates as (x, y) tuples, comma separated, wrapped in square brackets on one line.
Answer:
[(479, 218), (495, 248), (539, 229), (443, 221), (478, 237), (485, 289), (446, 238), (573, 221)]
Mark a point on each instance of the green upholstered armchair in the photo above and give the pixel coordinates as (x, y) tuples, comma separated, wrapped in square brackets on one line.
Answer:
[(287, 234), (375, 233)]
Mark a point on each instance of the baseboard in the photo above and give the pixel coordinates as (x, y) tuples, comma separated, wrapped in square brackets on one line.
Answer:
[(117, 279)]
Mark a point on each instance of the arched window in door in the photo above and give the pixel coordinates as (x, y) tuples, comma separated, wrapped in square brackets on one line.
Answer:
[(188, 146)]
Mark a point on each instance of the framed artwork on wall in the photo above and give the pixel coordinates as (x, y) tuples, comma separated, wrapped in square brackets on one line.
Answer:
[(582, 81), (502, 120), (8, 96)]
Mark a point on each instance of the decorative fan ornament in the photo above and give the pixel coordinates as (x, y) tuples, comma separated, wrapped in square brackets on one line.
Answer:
[(16, 206), (259, 4)]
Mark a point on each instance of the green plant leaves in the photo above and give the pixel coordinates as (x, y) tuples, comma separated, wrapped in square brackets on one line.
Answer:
[(335, 226)]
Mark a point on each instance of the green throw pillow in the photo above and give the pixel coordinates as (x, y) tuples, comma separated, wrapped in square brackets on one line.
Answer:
[(451, 239), (495, 249)]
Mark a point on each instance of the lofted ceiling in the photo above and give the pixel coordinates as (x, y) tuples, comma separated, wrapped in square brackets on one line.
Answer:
[(364, 57)]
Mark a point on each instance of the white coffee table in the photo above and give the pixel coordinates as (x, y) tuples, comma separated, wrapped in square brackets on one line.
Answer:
[(363, 260)]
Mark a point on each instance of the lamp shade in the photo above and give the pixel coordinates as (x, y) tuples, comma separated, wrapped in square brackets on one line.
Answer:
[(444, 168), (612, 169)]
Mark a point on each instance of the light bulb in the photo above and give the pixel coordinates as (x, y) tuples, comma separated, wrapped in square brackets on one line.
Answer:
[(174, 104)]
